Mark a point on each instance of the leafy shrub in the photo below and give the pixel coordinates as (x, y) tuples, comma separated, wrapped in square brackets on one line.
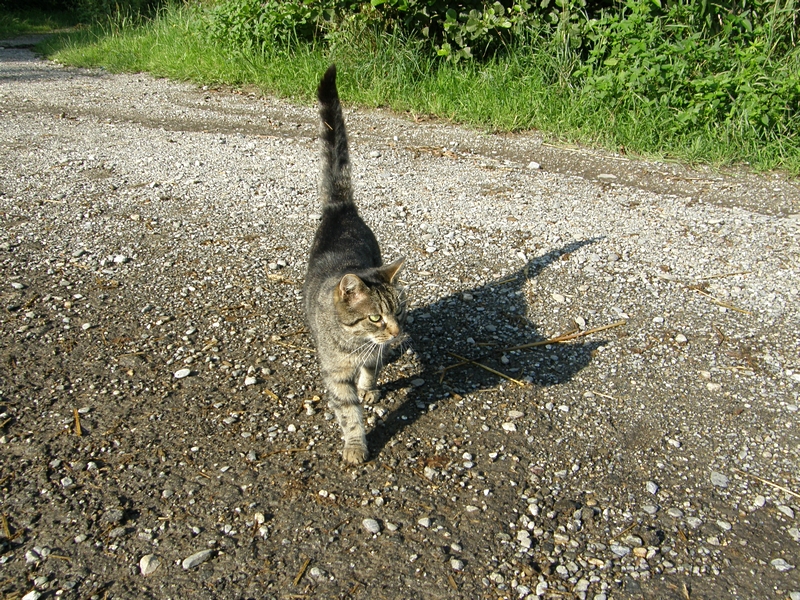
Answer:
[(705, 64), (271, 24)]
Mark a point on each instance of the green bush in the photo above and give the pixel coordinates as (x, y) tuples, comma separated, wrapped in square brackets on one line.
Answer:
[(707, 65)]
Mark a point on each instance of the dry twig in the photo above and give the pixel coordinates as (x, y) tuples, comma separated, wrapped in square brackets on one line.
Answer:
[(766, 481), (78, 430), (490, 369), (302, 571), (564, 337), (720, 302)]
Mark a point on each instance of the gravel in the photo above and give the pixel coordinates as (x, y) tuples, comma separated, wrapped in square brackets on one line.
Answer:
[(640, 460)]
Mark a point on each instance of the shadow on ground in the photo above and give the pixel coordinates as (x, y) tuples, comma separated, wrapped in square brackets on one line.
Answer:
[(479, 329)]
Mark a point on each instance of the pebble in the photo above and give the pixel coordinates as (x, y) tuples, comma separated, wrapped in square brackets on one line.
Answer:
[(196, 559), (148, 564), (651, 487), (424, 522), (371, 525), (781, 565), (650, 509), (32, 595), (719, 479), (675, 513), (248, 381), (541, 588), (515, 414), (681, 339), (694, 522), (534, 166), (786, 510), (510, 427), (417, 382), (181, 373), (620, 550), (456, 564)]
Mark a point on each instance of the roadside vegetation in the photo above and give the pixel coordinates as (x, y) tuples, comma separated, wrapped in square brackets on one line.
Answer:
[(702, 81)]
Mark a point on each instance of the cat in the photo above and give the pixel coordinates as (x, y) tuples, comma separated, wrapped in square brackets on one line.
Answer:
[(354, 304)]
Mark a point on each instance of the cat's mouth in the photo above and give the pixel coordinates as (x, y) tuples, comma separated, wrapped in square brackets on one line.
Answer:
[(390, 341)]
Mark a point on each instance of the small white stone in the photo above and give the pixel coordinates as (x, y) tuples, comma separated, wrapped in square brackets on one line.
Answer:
[(181, 373), (456, 565), (148, 564), (719, 479), (196, 559), (510, 427), (681, 339), (32, 595), (559, 298), (786, 510), (620, 550), (424, 522), (652, 487), (515, 414), (534, 166), (250, 381), (781, 565), (371, 525)]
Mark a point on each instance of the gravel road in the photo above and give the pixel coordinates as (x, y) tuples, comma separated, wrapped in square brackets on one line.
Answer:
[(162, 429)]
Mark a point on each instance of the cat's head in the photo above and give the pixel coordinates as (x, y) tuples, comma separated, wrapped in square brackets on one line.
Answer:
[(372, 307)]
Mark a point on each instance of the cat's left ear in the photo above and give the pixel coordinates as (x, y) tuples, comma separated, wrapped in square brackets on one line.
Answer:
[(389, 272)]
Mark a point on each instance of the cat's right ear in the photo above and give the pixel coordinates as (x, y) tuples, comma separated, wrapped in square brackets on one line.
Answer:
[(351, 287)]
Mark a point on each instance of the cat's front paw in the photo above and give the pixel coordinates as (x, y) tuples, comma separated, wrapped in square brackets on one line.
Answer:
[(354, 455), (370, 396)]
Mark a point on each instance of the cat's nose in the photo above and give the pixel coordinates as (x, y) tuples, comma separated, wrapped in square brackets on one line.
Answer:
[(392, 328)]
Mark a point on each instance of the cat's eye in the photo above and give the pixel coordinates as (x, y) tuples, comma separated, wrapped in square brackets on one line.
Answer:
[(375, 318)]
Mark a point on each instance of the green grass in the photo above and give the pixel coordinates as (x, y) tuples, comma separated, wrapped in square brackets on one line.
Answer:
[(517, 92), (14, 23)]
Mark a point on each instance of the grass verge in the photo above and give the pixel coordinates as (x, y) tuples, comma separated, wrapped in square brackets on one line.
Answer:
[(14, 23), (517, 92)]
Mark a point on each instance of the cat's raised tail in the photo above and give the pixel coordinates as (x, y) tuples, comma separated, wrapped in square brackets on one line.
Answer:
[(335, 186)]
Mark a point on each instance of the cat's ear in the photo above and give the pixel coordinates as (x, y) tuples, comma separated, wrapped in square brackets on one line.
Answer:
[(351, 287), (389, 272)]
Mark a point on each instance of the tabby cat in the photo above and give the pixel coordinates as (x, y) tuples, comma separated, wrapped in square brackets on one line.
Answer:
[(354, 305)]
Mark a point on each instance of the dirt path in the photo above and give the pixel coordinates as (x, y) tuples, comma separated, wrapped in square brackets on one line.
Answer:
[(152, 229)]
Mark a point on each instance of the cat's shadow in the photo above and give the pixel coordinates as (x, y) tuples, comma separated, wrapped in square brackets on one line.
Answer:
[(477, 324)]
